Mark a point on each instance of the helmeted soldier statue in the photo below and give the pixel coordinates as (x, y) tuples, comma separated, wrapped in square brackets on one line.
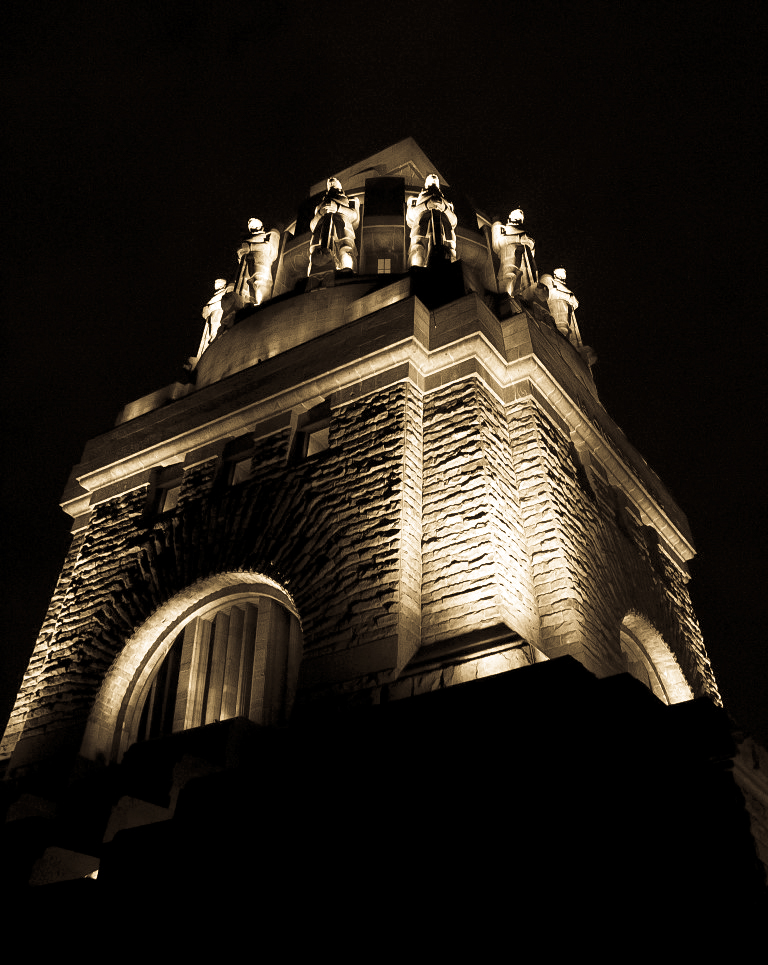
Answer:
[(256, 256), (562, 304), (516, 251), (432, 222), (333, 231)]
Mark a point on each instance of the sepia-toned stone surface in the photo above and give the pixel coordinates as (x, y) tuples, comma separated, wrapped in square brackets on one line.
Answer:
[(378, 557), (430, 515), (472, 506)]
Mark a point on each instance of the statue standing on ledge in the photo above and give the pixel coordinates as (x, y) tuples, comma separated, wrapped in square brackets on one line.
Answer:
[(515, 250), (212, 313), (432, 222), (562, 305), (256, 255), (333, 231)]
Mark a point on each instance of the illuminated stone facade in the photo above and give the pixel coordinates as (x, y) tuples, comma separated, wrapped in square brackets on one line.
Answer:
[(376, 483)]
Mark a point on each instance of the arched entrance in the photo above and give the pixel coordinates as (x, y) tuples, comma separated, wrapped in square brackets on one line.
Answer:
[(649, 660), (228, 646)]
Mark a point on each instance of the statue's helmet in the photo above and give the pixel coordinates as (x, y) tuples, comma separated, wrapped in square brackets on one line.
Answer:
[(334, 183), (255, 225), (432, 179), (560, 274), (516, 216), (220, 283)]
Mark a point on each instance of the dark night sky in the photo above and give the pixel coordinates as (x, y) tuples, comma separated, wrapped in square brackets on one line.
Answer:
[(141, 136)]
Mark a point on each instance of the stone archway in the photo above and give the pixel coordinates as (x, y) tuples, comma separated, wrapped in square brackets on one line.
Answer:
[(651, 661), (272, 663)]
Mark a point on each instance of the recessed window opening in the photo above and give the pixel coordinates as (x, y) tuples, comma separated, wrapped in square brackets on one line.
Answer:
[(240, 471), (163, 496), (169, 498), (236, 462), (310, 433), (384, 266), (316, 439), (235, 646), (237, 661)]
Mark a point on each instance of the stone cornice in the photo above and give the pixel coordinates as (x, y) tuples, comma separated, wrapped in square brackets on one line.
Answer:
[(224, 410)]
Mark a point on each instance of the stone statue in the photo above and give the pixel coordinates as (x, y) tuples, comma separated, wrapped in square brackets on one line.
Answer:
[(256, 256), (219, 311), (562, 305), (515, 250), (333, 231), (432, 222), (212, 313)]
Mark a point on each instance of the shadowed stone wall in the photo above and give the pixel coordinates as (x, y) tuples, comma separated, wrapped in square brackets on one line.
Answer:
[(451, 501), (501, 527), (592, 561), (476, 565), (340, 531)]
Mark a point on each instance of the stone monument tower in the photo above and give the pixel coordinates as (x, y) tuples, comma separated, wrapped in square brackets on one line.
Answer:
[(388, 473)]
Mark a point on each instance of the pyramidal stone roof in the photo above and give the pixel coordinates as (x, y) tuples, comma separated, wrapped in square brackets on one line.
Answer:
[(402, 160)]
